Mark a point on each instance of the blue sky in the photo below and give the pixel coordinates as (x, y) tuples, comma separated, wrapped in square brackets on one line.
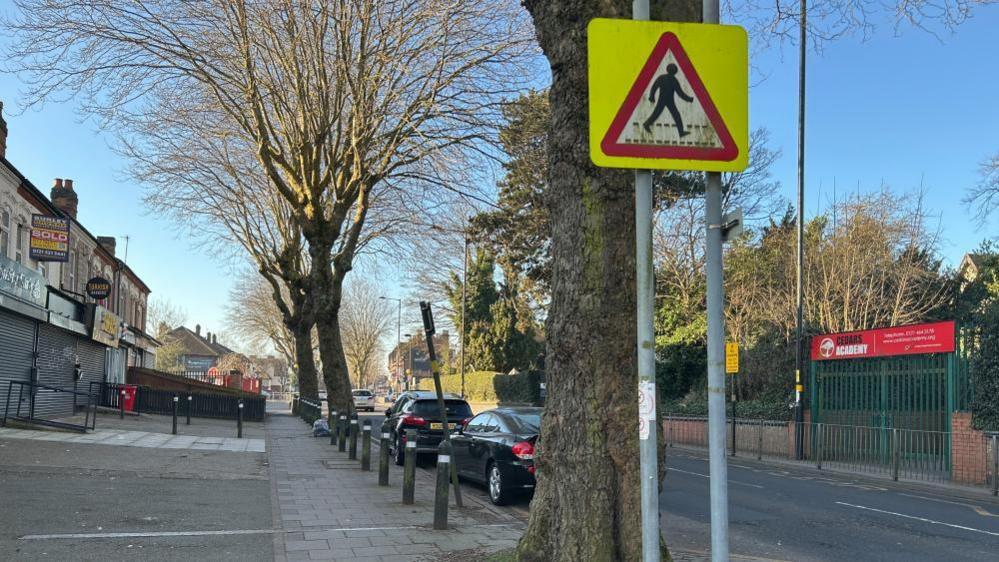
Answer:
[(903, 108)]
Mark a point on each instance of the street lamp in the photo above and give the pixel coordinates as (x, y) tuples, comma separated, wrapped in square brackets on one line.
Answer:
[(398, 328), (464, 284)]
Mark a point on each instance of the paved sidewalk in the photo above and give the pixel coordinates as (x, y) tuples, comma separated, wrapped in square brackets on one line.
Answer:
[(332, 510), (147, 439)]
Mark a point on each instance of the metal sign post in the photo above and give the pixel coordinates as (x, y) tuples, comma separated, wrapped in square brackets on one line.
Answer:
[(699, 73), (429, 330)]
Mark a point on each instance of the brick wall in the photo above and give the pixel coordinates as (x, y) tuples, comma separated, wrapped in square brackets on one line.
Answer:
[(968, 451)]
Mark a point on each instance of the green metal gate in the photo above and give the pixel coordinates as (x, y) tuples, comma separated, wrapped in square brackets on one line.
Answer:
[(905, 392)]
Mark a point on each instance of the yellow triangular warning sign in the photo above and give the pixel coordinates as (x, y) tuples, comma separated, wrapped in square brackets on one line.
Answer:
[(668, 112)]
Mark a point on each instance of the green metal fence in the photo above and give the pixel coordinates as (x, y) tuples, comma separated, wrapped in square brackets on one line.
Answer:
[(907, 392)]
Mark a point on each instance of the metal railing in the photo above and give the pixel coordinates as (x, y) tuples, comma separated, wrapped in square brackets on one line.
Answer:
[(202, 404), (29, 391), (906, 454), (306, 409)]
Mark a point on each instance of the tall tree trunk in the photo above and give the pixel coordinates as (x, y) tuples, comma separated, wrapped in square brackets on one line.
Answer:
[(335, 372), (587, 502), (308, 385)]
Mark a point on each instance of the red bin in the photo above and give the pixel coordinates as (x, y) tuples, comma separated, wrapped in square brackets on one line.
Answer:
[(130, 390)]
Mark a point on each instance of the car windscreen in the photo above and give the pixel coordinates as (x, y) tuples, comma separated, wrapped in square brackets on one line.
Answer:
[(524, 424), (455, 408), (362, 393)]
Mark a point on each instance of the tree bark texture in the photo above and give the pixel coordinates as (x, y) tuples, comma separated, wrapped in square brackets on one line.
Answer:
[(308, 384), (587, 504)]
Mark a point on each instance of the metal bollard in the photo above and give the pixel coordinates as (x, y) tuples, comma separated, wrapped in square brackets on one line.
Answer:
[(121, 404), (175, 400), (190, 401), (352, 450), (333, 422), (366, 445), (341, 436), (409, 469), (895, 446), (383, 458), (759, 445), (442, 490), (239, 420), (818, 446)]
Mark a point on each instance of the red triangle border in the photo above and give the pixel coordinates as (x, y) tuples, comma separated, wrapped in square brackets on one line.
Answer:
[(669, 42)]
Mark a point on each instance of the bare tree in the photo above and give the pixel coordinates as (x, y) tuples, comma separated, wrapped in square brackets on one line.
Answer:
[(364, 320), (333, 103), (165, 315), (253, 313), (983, 198)]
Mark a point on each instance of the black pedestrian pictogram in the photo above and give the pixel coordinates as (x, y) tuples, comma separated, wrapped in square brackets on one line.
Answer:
[(667, 86)]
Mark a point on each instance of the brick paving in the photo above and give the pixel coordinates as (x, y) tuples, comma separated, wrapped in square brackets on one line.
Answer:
[(332, 510), (147, 439)]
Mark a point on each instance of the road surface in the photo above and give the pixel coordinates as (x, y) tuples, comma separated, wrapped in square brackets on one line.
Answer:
[(792, 513)]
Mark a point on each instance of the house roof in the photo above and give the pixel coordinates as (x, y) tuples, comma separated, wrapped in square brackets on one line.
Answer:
[(192, 343)]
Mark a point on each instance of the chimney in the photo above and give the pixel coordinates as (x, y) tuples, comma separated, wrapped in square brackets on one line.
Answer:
[(106, 242), (64, 198), (3, 133), (215, 338), (197, 329), (208, 336)]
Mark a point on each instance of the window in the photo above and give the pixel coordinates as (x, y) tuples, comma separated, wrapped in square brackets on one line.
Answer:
[(5, 232), (19, 244), (72, 271)]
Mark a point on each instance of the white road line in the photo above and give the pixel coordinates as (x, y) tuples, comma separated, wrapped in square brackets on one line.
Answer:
[(976, 508), (215, 533), (923, 519), (668, 469)]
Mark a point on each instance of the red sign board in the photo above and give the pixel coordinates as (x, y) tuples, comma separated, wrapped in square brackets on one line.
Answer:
[(937, 337)]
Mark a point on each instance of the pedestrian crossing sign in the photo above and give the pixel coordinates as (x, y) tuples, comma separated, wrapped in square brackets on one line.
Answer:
[(670, 96)]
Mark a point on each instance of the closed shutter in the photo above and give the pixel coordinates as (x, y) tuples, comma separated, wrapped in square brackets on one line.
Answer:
[(56, 363), (93, 361), (17, 343)]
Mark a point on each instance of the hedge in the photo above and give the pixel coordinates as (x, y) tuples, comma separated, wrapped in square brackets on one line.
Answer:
[(488, 386)]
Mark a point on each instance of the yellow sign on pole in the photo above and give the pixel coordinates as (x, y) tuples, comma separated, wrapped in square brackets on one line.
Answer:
[(668, 96), (731, 358)]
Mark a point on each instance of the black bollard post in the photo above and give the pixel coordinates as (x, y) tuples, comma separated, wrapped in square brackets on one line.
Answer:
[(366, 445), (239, 420), (352, 452), (409, 469), (175, 400), (383, 458), (342, 434), (333, 425), (190, 402), (442, 490), (121, 404)]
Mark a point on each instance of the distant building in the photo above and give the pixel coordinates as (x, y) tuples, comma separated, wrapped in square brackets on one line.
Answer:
[(198, 353), (410, 358)]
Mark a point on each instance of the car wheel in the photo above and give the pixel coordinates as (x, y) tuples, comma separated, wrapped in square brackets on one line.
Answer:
[(400, 453), (498, 493)]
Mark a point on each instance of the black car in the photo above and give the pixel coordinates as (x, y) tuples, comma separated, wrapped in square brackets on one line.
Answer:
[(496, 448), (419, 410)]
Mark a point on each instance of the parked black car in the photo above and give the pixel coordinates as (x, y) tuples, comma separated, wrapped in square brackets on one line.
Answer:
[(496, 448), (418, 409)]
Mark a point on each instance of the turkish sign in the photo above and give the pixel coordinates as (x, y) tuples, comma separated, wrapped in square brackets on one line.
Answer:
[(19, 281), (671, 96), (98, 288), (106, 328), (49, 239), (731, 358), (937, 337)]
